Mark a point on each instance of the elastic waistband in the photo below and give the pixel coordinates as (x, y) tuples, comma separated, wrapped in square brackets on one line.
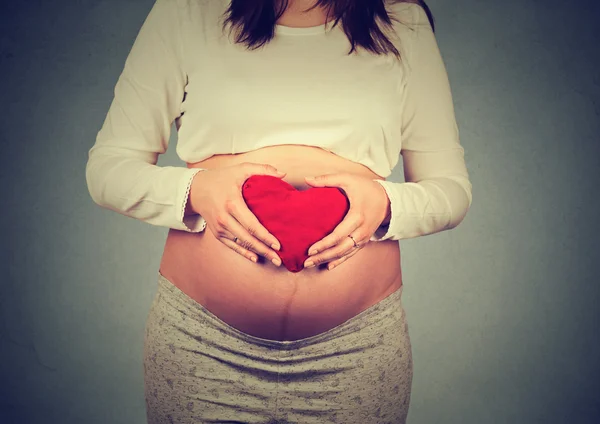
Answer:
[(376, 314)]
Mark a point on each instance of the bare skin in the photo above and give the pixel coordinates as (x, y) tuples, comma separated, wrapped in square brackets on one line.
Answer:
[(295, 17), (267, 301), (262, 299)]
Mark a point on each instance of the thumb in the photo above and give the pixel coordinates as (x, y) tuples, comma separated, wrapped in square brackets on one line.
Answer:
[(335, 179), (319, 180), (266, 169)]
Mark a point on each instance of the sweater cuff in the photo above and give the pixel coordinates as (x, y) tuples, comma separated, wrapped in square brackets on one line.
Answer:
[(417, 209), (383, 232), (191, 223)]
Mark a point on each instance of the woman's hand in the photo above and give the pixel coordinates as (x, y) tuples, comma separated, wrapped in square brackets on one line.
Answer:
[(216, 194), (369, 205)]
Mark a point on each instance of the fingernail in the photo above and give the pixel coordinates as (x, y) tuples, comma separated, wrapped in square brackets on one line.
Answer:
[(276, 261), (310, 178), (312, 252), (275, 246), (309, 264)]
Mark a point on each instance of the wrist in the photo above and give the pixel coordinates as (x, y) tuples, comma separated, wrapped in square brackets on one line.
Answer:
[(388, 214), (388, 207), (189, 206)]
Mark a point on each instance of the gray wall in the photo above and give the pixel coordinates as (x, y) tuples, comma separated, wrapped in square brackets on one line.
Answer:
[(502, 309)]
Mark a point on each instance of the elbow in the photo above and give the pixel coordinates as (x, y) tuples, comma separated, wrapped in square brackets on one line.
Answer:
[(462, 198), (469, 190), (93, 182), (456, 192), (100, 173), (467, 187)]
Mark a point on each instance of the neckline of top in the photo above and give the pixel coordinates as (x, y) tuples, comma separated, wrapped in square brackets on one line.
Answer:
[(314, 30)]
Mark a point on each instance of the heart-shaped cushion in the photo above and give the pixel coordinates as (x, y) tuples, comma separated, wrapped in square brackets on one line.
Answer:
[(296, 218)]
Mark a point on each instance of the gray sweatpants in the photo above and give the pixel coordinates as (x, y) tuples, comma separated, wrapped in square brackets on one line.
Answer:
[(199, 369)]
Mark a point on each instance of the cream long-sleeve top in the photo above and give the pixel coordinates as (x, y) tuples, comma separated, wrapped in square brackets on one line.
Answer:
[(301, 88)]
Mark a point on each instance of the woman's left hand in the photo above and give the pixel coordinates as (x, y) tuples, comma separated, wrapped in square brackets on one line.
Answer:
[(369, 205)]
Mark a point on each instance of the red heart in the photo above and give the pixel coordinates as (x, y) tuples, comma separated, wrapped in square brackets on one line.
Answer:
[(296, 218)]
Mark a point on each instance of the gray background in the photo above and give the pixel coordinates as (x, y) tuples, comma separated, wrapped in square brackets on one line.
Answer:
[(502, 309)]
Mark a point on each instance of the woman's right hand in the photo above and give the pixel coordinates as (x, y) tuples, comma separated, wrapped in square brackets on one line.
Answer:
[(216, 194)]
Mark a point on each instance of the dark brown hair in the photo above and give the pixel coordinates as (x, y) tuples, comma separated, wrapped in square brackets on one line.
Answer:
[(255, 21)]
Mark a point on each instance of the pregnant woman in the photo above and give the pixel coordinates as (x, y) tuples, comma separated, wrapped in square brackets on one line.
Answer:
[(248, 324)]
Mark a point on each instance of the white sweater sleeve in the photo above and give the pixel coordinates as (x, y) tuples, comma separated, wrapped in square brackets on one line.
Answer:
[(436, 194), (121, 171)]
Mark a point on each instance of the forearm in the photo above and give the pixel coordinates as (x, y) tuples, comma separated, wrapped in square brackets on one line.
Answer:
[(135, 187), (423, 208)]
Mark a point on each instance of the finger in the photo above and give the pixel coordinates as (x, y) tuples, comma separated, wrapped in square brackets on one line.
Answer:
[(252, 235), (344, 258), (342, 249), (348, 226), (262, 169), (336, 252), (239, 210), (239, 249), (328, 180)]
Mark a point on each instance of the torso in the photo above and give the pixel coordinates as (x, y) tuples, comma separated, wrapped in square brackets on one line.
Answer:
[(271, 302)]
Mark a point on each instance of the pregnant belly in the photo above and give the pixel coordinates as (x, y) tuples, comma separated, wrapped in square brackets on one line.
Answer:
[(272, 302)]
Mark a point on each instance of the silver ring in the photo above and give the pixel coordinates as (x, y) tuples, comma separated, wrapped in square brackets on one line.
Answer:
[(355, 245), (235, 239)]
